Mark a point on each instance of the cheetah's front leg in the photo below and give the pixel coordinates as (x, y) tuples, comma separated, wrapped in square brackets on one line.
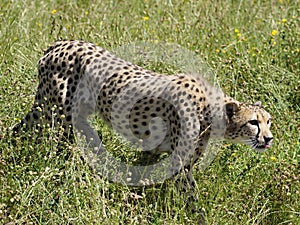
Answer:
[(84, 104), (185, 180)]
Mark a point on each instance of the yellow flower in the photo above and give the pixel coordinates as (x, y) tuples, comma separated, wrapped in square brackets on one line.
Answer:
[(53, 11), (238, 34), (273, 158), (86, 13), (274, 32), (145, 18), (236, 30), (283, 20)]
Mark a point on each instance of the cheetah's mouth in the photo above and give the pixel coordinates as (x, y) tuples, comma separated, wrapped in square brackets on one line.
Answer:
[(261, 147)]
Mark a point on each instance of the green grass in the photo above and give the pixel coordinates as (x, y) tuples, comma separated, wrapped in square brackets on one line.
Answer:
[(254, 49)]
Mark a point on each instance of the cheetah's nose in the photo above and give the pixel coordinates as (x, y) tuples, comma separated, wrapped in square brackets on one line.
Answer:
[(268, 141)]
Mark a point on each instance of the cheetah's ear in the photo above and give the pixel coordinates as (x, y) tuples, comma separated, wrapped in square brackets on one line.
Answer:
[(258, 104), (231, 108)]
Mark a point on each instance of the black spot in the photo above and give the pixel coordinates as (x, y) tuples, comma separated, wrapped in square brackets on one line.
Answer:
[(69, 47), (35, 116), (70, 81), (61, 112)]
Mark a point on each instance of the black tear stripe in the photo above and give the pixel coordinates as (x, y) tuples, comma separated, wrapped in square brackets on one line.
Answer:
[(258, 131)]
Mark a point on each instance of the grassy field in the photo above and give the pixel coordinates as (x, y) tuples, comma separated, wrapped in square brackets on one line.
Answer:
[(252, 46)]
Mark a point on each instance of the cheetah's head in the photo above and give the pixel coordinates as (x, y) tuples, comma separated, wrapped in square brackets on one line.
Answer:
[(248, 124)]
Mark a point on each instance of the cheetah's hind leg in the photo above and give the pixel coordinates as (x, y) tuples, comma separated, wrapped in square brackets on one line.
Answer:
[(32, 119), (29, 121)]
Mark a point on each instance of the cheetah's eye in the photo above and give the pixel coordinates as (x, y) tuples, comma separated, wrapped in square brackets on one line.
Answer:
[(269, 121), (253, 122)]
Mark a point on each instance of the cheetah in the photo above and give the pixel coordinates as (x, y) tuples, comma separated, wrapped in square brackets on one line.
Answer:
[(175, 114)]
